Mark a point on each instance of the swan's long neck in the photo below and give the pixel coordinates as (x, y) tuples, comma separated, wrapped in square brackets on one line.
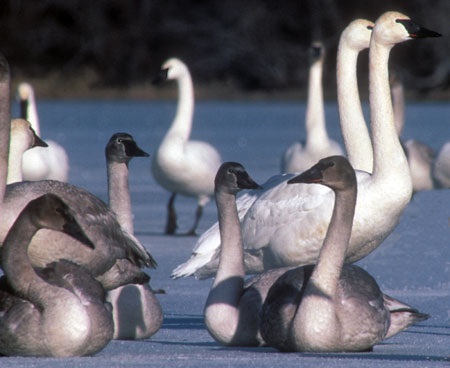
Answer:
[(398, 104), (17, 266), (16, 151), (182, 124), (119, 194), (316, 133), (5, 123), (29, 112), (389, 158), (353, 125)]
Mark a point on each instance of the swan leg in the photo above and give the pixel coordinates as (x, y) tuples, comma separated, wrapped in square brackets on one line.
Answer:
[(171, 225), (198, 215)]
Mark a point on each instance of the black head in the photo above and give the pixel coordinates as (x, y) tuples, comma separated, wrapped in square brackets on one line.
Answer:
[(232, 177), (122, 148)]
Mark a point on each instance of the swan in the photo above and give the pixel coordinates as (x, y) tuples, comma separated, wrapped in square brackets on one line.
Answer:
[(285, 226), (331, 307), (117, 258), (179, 165), (299, 157), (354, 38), (441, 167), (59, 311), (23, 138), (136, 312), (40, 164), (232, 308), (420, 156)]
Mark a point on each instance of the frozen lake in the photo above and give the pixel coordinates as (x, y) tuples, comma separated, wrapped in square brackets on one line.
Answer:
[(413, 264)]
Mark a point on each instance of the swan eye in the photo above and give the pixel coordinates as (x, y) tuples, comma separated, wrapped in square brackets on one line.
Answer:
[(370, 28), (231, 171)]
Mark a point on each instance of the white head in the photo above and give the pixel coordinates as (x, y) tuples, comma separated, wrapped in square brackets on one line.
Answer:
[(174, 68), (357, 34), (25, 91)]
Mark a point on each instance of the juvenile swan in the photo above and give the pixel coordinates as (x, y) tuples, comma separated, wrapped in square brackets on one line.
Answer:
[(330, 306), (59, 311), (179, 165), (39, 164), (298, 157), (232, 308), (136, 311), (283, 225), (23, 138)]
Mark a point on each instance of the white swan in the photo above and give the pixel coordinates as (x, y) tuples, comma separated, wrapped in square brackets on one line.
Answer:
[(39, 164), (179, 165), (354, 38), (420, 156), (441, 167), (59, 311), (285, 226), (117, 258), (298, 157), (23, 138), (331, 306), (232, 308), (137, 313)]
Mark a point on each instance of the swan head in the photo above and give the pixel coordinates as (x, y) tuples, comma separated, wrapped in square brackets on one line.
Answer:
[(50, 212), (172, 68), (394, 27), (316, 52), (232, 177), (23, 134), (334, 172), (357, 34), (25, 91), (122, 147)]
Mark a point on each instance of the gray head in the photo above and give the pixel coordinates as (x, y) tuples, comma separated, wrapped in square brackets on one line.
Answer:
[(122, 148), (50, 212), (232, 177), (334, 172)]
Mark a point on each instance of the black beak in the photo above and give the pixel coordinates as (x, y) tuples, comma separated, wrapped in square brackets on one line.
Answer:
[(313, 175), (417, 31), (244, 181), (132, 149), (160, 77)]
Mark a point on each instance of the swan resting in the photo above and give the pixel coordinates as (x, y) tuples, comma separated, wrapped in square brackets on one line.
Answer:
[(58, 311), (180, 165), (330, 306)]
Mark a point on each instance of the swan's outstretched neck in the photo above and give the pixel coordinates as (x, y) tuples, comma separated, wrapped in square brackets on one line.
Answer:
[(5, 119), (182, 123)]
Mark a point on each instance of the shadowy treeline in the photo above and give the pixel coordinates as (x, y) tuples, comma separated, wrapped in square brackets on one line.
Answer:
[(248, 44)]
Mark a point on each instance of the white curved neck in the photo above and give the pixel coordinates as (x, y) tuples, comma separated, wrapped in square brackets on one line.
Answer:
[(182, 124), (32, 114), (398, 104), (389, 157), (354, 129), (316, 133), (16, 151), (119, 194)]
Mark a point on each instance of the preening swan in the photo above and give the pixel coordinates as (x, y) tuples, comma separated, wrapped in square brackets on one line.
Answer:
[(23, 138), (298, 157), (117, 257), (441, 167), (179, 165), (331, 306), (59, 311), (39, 164), (136, 312), (284, 225), (232, 308)]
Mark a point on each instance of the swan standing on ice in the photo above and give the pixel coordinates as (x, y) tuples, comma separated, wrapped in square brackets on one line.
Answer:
[(179, 165), (284, 226), (58, 311), (40, 164), (117, 258), (331, 306), (136, 311), (23, 138), (299, 157)]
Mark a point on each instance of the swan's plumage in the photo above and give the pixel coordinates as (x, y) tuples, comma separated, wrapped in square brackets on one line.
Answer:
[(39, 164), (180, 165), (441, 167)]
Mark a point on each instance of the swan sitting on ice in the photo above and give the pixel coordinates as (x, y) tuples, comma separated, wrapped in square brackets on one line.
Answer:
[(179, 165), (51, 162)]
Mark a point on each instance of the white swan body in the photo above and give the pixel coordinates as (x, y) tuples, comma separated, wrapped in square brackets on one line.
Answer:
[(39, 164), (59, 311), (441, 167), (136, 312), (23, 138), (299, 157), (286, 226), (330, 306), (179, 165)]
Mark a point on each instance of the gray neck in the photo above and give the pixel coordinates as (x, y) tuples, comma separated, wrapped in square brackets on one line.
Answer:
[(5, 129)]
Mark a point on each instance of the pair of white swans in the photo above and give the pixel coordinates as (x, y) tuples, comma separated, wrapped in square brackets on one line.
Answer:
[(330, 306), (285, 225)]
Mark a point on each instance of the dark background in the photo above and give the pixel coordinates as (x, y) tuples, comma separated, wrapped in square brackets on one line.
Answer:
[(245, 45)]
